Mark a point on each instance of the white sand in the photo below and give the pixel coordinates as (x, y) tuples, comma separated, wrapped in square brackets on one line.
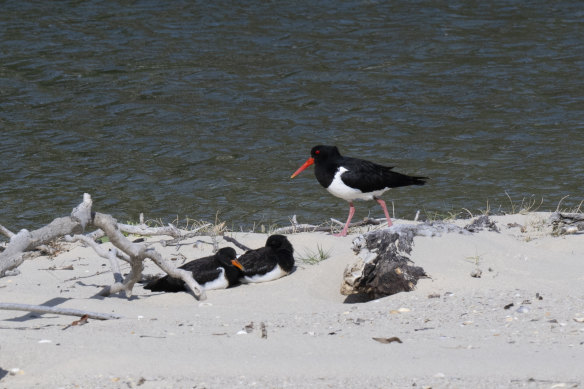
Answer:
[(462, 339)]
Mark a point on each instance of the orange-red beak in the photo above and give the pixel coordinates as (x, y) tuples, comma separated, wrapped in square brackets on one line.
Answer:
[(308, 162), (236, 263)]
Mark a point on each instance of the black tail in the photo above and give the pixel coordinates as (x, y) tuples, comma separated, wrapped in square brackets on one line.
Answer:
[(417, 180), (396, 179), (166, 284)]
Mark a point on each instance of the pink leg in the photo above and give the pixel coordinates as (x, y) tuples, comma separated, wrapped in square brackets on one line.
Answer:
[(382, 203), (351, 213)]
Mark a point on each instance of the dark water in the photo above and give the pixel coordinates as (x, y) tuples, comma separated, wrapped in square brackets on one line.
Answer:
[(195, 108)]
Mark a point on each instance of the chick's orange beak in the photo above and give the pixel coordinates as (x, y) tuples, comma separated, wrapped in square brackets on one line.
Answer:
[(237, 264), (308, 162)]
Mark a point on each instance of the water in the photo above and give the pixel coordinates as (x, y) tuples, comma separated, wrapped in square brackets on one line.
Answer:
[(204, 109)]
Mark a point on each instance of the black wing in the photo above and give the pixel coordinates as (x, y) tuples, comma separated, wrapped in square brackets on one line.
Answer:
[(203, 270), (259, 261), (166, 284), (369, 177)]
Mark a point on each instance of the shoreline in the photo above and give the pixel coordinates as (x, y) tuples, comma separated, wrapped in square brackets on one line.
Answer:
[(454, 328)]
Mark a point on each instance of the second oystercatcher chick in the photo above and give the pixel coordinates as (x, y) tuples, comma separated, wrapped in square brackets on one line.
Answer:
[(268, 263)]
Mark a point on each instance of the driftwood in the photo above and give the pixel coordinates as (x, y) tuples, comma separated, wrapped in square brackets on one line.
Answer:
[(145, 230), (567, 223), (16, 250), (177, 241), (6, 231), (481, 223), (81, 217), (58, 311), (235, 242), (296, 227), (383, 267)]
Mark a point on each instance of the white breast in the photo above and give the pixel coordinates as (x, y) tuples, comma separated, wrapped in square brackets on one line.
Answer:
[(274, 274), (219, 283), (339, 189)]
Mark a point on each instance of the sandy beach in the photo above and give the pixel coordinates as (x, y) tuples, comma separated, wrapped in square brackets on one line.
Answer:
[(520, 325)]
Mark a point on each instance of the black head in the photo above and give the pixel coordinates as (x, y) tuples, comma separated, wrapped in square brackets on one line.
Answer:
[(278, 242), (321, 153), (228, 258), (321, 156)]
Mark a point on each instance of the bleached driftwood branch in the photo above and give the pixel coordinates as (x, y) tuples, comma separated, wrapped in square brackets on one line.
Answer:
[(192, 233), (6, 232), (57, 310), (143, 229), (111, 255), (236, 242), (24, 240), (295, 227), (301, 228), (365, 222), (134, 253), (138, 252)]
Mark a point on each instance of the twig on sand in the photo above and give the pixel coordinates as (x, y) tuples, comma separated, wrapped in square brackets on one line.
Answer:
[(296, 227), (365, 222), (235, 242), (177, 241), (58, 311), (301, 228)]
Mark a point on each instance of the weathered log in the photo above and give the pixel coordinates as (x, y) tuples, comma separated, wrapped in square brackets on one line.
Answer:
[(481, 223), (384, 267), (567, 223)]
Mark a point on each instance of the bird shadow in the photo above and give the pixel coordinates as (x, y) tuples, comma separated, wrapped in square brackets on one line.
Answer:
[(358, 298)]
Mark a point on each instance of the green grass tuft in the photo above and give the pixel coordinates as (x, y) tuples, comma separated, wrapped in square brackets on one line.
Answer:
[(311, 257)]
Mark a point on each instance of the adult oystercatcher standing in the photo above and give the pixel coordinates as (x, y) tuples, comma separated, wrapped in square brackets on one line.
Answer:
[(354, 179)]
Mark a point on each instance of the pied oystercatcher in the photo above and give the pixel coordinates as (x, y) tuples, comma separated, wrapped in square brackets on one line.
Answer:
[(268, 263), (354, 179), (217, 271)]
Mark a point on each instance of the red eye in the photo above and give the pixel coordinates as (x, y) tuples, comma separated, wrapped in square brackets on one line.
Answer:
[(317, 152)]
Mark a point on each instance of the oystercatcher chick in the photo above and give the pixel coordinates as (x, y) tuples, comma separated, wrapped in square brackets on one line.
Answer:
[(218, 271), (354, 179), (268, 263)]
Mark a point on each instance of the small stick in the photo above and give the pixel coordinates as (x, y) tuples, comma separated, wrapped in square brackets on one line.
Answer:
[(5, 231), (235, 242), (58, 311), (301, 228)]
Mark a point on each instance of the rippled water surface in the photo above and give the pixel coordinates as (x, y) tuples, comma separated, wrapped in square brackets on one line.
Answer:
[(194, 109)]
